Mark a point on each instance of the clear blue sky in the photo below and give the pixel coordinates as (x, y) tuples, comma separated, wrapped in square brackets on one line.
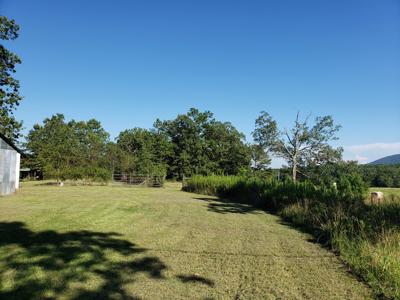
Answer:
[(126, 63)]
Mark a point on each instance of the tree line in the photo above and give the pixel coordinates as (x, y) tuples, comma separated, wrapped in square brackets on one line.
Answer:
[(372, 175), (381, 175), (192, 143)]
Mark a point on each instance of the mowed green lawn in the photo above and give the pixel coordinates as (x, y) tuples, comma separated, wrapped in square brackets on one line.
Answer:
[(108, 242)]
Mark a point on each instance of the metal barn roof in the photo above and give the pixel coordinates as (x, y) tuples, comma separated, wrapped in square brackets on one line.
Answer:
[(10, 143)]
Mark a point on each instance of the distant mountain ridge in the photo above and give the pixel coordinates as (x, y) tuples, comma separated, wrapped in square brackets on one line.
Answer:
[(387, 160)]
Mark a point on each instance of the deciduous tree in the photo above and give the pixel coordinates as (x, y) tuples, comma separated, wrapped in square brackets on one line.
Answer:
[(302, 144), (54, 145), (203, 145), (146, 152), (9, 86), (70, 150)]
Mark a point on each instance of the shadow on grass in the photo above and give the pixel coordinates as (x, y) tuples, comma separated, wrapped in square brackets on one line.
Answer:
[(48, 264), (313, 236), (47, 183), (196, 279), (227, 207)]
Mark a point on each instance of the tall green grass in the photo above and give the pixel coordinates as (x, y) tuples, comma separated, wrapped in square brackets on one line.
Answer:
[(367, 237)]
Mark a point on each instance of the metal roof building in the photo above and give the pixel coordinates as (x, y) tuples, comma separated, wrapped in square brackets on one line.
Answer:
[(10, 157)]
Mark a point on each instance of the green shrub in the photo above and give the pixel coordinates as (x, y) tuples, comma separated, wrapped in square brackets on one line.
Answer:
[(87, 174), (273, 194)]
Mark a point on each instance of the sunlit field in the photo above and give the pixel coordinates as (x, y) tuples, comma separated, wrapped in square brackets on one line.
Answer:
[(390, 194), (107, 242)]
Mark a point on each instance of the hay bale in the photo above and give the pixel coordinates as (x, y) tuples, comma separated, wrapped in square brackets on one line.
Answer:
[(376, 197)]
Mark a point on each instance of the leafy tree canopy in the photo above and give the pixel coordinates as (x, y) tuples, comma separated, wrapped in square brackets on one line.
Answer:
[(202, 145), (9, 86), (144, 152), (68, 150)]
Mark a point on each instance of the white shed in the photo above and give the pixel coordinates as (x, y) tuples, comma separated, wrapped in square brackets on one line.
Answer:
[(10, 158)]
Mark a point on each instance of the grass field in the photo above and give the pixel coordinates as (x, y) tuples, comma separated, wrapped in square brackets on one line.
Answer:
[(105, 242), (390, 194)]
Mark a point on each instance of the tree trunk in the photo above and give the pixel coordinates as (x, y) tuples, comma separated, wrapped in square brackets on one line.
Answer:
[(294, 171)]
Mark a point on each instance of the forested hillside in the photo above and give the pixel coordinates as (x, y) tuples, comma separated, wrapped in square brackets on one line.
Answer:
[(387, 160)]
